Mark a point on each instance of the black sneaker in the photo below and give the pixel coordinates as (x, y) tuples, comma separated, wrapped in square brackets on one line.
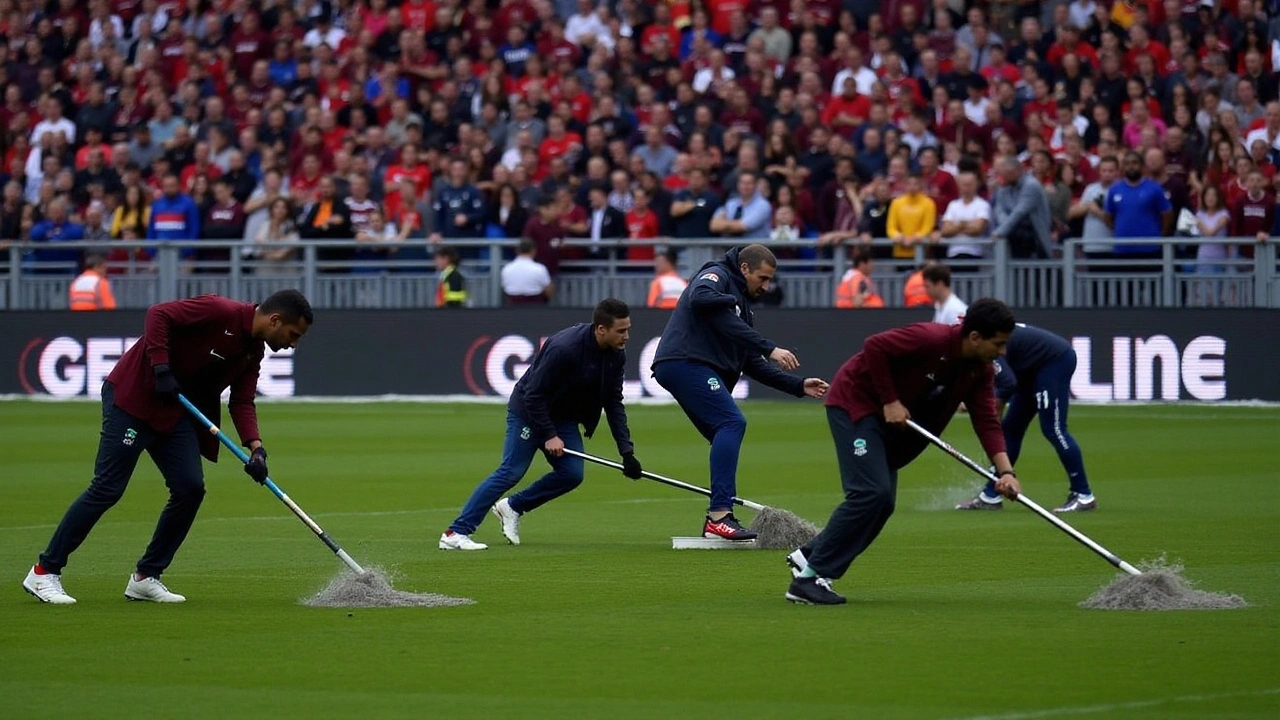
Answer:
[(814, 591), (727, 528)]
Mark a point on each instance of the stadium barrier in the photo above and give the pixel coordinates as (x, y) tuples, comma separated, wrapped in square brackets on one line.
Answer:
[(1123, 355), (808, 274)]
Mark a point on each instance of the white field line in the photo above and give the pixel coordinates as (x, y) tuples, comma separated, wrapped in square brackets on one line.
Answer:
[(498, 400), (1113, 707), (318, 516)]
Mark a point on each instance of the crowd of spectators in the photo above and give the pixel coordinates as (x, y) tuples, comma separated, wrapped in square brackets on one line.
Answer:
[(939, 122)]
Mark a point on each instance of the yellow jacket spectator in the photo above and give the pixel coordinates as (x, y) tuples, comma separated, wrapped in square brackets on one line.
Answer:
[(912, 218)]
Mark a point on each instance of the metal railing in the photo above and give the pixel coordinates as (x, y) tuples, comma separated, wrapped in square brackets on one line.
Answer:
[(808, 273)]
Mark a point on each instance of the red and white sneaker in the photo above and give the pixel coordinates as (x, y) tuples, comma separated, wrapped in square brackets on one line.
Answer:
[(727, 528)]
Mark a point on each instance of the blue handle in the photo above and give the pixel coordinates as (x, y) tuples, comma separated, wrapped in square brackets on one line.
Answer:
[(239, 452)]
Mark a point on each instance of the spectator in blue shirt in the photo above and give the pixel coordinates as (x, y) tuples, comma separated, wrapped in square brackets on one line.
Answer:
[(746, 215), (283, 69), (56, 229), (516, 51), (1136, 208)]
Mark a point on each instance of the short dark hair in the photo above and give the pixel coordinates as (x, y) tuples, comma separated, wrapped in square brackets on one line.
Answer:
[(525, 246), (609, 311), (290, 305), (94, 259), (669, 253), (988, 317), (937, 273), (447, 252), (756, 255), (861, 256)]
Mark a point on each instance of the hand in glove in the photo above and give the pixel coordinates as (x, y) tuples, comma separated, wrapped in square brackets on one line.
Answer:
[(166, 383), (256, 468), (631, 466)]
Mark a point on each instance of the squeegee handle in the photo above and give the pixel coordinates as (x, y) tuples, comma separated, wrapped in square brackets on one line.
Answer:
[(275, 489), (1028, 502), (662, 479)]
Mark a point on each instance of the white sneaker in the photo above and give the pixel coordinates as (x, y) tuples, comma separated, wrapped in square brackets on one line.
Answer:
[(150, 590), (458, 541), (47, 588), (510, 520), (797, 562)]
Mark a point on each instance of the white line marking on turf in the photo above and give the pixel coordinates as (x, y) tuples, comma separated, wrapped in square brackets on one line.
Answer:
[(364, 513), (1111, 707)]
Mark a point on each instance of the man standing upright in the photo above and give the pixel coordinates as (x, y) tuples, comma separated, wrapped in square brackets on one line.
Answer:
[(1090, 207), (459, 206), (198, 347), (575, 374), (1137, 208), (709, 342), (920, 372), (1020, 212)]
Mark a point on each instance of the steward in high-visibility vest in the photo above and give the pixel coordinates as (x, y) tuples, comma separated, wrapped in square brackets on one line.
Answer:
[(667, 286), (91, 290), (856, 289), (451, 288), (913, 293)]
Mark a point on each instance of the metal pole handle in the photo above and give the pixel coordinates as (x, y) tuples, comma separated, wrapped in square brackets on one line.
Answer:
[(275, 489), (1054, 519), (662, 479)]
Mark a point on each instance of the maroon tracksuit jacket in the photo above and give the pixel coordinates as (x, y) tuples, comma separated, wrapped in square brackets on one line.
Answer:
[(207, 343), (920, 366)]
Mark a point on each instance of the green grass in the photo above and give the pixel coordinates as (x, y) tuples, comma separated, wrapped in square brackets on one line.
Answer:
[(951, 615)]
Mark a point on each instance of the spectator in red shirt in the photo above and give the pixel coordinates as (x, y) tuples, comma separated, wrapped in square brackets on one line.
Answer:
[(998, 66), (547, 234), (848, 111), (1140, 43), (409, 168), (559, 143), (248, 45), (304, 185), (642, 224), (1069, 42), (1253, 215), (203, 165), (939, 184)]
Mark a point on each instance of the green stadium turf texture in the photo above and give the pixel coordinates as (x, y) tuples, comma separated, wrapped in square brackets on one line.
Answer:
[(951, 615)]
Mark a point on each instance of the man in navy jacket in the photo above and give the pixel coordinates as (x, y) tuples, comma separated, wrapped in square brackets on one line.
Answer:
[(709, 342), (1034, 378), (577, 373)]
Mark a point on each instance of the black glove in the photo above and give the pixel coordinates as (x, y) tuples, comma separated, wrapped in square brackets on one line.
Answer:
[(631, 466), (166, 383), (256, 468)]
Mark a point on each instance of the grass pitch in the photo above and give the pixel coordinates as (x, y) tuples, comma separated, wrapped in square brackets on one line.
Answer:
[(951, 615)]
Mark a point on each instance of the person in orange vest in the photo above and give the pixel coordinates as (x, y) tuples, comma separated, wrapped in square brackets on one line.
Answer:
[(667, 286), (92, 290), (913, 293), (856, 288)]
